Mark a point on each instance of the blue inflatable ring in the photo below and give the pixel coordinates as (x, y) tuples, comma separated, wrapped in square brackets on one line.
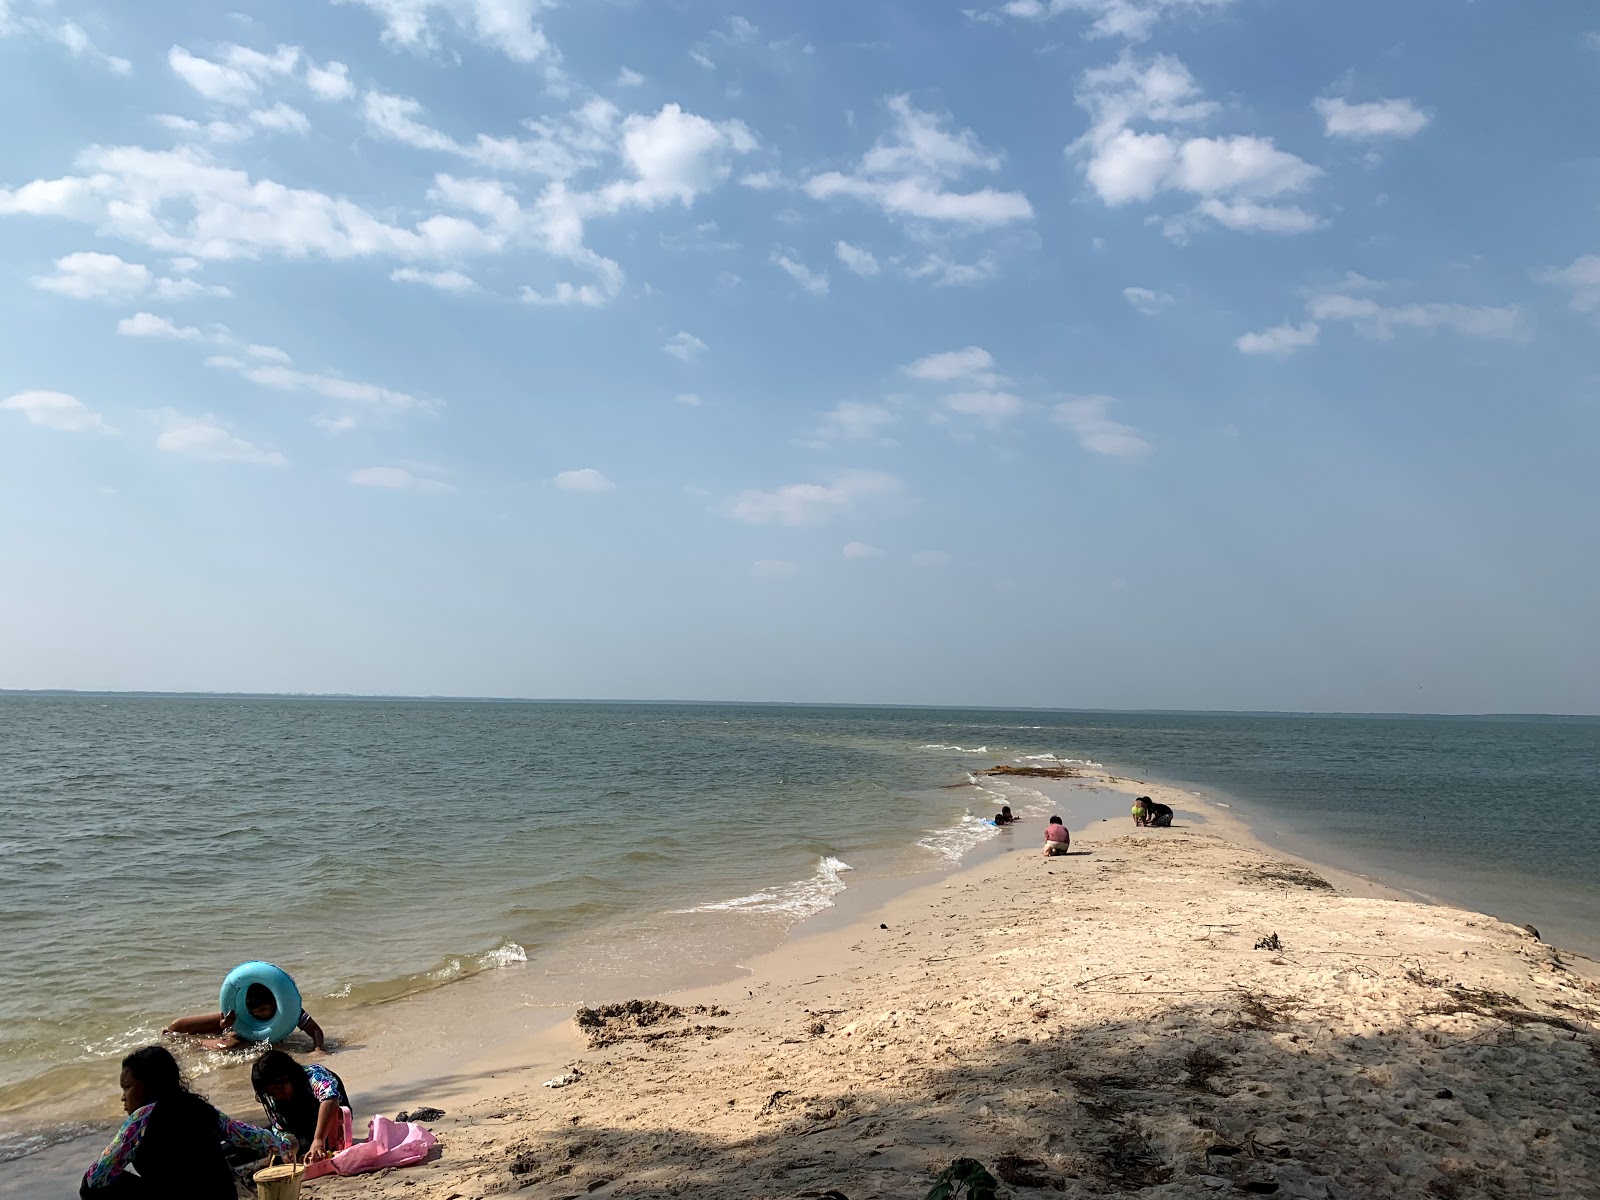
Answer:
[(276, 980)]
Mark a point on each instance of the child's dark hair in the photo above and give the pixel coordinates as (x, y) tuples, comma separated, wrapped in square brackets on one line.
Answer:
[(259, 995), (155, 1067), (275, 1066), (1055, 820)]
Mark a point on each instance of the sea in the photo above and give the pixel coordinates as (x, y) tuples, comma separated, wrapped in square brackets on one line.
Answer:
[(383, 850)]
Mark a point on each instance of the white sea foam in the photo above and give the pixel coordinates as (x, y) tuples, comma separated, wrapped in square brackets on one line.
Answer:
[(1065, 762), (505, 955), (953, 841), (957, 749), (800, 899)]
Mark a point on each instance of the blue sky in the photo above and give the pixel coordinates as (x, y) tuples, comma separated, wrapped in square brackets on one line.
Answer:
[(1092, 353)]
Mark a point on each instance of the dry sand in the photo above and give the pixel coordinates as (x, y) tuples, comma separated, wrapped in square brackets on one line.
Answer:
[(1101, 1024)]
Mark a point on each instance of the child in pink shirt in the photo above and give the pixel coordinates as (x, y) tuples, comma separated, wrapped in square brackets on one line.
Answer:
[(1056, 838)]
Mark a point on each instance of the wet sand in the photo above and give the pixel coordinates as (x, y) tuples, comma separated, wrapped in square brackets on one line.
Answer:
[(1119, 1020)]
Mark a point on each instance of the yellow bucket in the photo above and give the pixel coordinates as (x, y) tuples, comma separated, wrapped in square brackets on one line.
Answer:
[(281, 1182)]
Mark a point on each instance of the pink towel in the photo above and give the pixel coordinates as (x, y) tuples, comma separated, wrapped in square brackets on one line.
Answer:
[(389, 1144)]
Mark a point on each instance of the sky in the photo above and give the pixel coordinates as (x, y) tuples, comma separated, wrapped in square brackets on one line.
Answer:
[(1206, 354)]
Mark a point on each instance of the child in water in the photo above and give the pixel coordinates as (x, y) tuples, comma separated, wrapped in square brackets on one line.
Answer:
[(218, 1027)]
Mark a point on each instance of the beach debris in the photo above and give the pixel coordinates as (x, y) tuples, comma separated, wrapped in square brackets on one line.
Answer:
[(566, 1079), (1263, 1012), (419, 1114), (639, 1021), (1444, 1094), (1036, 772), (964, 1179), (1019, 1172), (1270, 942), (1287, 873), (1200, 1065), (1532, 932), (883, 927), (772, 1101)]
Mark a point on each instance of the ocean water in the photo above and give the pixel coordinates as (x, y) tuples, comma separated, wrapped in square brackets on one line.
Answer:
[(379, 849)]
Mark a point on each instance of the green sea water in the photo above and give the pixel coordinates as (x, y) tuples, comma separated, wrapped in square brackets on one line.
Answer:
[(376, 848)]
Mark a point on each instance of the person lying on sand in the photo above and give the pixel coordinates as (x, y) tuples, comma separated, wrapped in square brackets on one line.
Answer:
[(1004, 817), (218, 1027), (1057, 840)]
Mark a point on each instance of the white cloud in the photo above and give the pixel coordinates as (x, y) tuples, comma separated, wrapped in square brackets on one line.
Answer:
[(1097, 432), (685, 347), (973, 365), (908, 174), (330, 82), (671, 157), (585, 479), (852, 421), (945, 273), (702, 60), (88, 275), (1581, 279), (401, 479), (1374, 119), (689, 399), (800, 504), (179, 202), (861, 550), (859, 260), (762, 181), (56, 410), (989, 406), (1226, 179), (267, 353), (1280, 341), (742, 30), (281, 118), (504, 25), (237, 79), (1130, 19), (1147, 301), (91, 276), (774, 568), (674, 157), (67, 34), (1380, 322), (445, 281), (149, 325), (331, 387), (812, 281), (206, 438), (185, 289), (629, 78), (930, 558)]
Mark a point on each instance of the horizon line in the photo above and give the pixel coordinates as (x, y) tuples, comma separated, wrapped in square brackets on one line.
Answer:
[(471, 699)]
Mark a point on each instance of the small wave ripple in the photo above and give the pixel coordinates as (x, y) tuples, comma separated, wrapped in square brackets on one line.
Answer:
[(800, 899)]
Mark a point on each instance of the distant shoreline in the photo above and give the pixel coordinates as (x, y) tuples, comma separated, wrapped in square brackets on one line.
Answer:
[(87, 693)]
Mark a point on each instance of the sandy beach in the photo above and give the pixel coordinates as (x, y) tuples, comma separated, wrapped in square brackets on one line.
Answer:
[(1165, 1013), (1172, 1012)]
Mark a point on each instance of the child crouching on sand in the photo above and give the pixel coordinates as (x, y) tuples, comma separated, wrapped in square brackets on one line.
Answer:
[(1056, 838)]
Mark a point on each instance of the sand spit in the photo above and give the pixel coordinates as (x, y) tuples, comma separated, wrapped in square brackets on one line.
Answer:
[(1162, 1014)]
